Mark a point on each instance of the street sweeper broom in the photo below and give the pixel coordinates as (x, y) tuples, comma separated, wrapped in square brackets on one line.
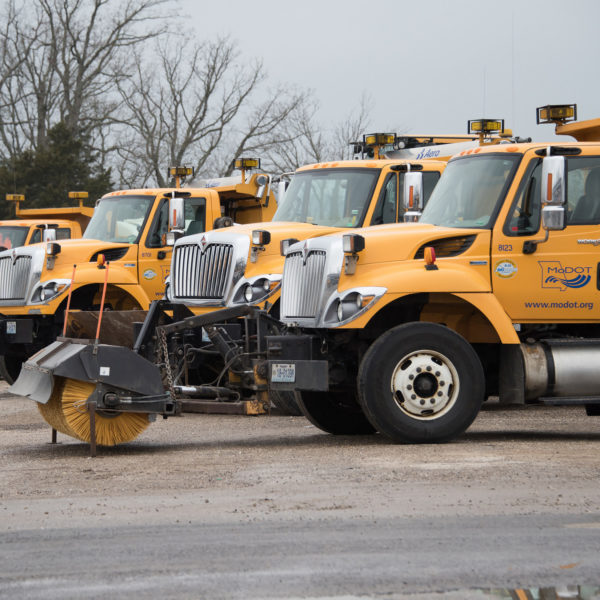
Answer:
[(69, 380)]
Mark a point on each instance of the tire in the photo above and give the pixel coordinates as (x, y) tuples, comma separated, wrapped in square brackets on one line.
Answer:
[(286, 402), (421, 383), (334, 413), (10, 367)]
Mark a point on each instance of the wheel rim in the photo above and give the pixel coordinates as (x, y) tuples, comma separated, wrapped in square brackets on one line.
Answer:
[(425, 384)]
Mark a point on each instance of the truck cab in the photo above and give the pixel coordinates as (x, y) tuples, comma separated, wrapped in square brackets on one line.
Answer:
[(494, 292), (31, 224), (23, 232)]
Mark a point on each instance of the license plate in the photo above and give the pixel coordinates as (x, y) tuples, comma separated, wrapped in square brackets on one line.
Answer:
[(11, 327), (283, 373)]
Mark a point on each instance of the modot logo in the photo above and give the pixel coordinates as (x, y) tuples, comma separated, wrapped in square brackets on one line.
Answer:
[(554, 275)]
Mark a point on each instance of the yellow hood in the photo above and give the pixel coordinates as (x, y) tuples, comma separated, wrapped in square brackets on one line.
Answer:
[(83, 251), (401, 241), (283, 230)]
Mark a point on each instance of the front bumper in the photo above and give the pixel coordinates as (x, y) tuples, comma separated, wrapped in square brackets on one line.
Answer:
[(28, 333), (294, 363)]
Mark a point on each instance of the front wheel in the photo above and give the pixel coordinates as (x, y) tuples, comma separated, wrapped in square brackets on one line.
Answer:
[(421, 383)]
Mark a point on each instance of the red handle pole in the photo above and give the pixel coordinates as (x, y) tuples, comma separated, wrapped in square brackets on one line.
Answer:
[(69, 301), (102, 303)]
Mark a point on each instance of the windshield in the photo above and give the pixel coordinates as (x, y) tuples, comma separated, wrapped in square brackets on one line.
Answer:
[(119, 219), (469, 191), (334, 197), (12, 237)]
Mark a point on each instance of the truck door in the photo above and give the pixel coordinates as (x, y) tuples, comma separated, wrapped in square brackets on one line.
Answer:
[(154, 255), (557, 280)]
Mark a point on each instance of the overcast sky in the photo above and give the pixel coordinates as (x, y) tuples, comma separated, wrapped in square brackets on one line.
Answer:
[(428, 65)]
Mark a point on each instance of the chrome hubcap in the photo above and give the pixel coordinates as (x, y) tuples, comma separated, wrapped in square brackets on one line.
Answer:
[(425, 384)]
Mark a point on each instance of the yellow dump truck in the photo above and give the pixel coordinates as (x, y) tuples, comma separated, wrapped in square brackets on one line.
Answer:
[(407, 329), (34, 225), (128, 230)]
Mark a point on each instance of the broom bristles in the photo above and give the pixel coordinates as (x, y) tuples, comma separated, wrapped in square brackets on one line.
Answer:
[(52, 411), (68, 409)]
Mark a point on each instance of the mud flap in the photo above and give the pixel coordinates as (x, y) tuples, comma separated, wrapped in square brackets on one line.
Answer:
[(113, 366)]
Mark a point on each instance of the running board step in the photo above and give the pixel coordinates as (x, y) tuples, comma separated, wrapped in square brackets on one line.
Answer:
[(570, 401)]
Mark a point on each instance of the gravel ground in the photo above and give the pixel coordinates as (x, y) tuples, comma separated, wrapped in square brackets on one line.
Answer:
[(231, 470), (509, 462)]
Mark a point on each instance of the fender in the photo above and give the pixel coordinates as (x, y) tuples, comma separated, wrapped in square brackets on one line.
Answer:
[(460, 280), (89, 273)]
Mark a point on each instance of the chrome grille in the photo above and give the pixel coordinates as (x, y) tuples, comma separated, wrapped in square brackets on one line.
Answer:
[(199, 274), (302, 283), (14, 277)]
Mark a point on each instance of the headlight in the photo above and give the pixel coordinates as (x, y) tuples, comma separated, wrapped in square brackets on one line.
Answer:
[(47, 291), (256, 291), (349, 306), (346, 306)]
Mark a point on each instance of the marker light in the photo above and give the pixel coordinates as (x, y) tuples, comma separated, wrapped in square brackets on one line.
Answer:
[(260, 237), (246, 163), (485, 126), (556, 113), (429, 255), (353, 243), (379, 139), (15, 197), (100, 261), (181, 171), (78, 195)]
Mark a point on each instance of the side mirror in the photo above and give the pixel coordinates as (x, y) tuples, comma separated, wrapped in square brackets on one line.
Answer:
[(554, 189), (413, 192), (176, 214), (49, 235), (261, 182), (553, 218)]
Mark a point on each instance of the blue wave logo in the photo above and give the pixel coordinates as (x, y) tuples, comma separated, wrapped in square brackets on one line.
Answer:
[(576, 282), (554, 275)]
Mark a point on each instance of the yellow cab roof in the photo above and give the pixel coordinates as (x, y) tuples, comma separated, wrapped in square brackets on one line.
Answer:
[(372, 163), (522, 148)]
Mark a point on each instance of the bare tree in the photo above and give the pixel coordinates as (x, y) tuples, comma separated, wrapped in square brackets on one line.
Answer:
[(202, 107), (310, 142), (60, 62)]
